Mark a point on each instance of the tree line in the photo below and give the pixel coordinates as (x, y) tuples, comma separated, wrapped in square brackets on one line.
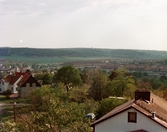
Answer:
[(84, 52)]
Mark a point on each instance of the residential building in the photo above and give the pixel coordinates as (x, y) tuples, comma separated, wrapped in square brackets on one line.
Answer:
[(146, 113), (20, 83), (26, 85)]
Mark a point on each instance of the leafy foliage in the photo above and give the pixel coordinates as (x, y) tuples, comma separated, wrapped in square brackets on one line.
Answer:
[(47, 112), (108, 104), (7, 93), (99, 90), (62, 110), (68, 75), (123, 84), (79, 95), (46, 78)]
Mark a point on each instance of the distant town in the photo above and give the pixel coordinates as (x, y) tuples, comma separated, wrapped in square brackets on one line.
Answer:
[(150, 68)]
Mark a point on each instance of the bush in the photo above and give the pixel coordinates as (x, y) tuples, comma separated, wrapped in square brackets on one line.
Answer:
[(7, 93)]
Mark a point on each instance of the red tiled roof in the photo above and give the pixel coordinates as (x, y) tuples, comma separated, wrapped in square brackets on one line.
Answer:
[(24, 79), (8, 78), (13, 78), (156, 104)]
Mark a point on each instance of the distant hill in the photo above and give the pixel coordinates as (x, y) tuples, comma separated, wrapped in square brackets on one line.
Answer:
[(85, 53)]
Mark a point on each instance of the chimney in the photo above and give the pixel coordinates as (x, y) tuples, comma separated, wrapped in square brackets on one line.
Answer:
[(145, 95), (153, 114)]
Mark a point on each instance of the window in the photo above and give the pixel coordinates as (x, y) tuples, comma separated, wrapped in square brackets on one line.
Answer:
[(27, 85), (34, 84), (132, 117)]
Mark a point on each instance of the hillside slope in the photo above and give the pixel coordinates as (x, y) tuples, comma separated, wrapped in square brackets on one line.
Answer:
[(82, 53)]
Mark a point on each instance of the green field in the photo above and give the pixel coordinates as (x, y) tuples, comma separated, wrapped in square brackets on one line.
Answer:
[(46, 60), (46, 56)]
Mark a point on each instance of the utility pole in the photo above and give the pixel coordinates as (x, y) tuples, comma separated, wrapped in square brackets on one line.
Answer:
[(14, 111)]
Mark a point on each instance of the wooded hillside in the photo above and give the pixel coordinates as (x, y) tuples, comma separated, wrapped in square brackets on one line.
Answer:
[(83, 53)]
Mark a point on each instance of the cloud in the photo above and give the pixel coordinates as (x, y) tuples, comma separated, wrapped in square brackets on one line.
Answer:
[(41, 4), (85, 23)]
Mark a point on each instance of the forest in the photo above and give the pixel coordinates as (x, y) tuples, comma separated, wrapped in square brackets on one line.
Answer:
[(68, 95), (84, 53)]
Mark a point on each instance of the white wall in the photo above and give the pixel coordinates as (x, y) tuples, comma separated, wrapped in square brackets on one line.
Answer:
[(15, 85), (119, 123), (25, 91), (4, 87)]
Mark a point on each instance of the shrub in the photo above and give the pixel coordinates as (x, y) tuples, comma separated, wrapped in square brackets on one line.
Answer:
[(7, 93)]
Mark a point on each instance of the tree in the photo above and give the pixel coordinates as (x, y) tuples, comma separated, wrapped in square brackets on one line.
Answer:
[(50, 114), (144, 84), (85, 78), (68, 75), (123, 84), (99, 90), (108, 104), (79, 94), (156, 83), (46, 78)]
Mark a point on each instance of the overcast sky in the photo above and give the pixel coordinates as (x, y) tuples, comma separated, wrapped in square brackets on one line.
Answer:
[(114, 24)]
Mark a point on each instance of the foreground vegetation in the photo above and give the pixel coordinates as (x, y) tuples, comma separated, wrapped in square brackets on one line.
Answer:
[(67, 96)]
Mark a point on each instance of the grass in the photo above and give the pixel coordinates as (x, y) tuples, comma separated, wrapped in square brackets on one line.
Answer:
[(46, 60), (7, 113), (7, 108), (4, 100)]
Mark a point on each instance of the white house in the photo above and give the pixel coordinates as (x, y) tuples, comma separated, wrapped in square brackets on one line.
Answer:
[(21, 83), (146, 113), (10, 82)]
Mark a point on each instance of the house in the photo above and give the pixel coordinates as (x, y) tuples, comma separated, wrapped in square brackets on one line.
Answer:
[(10, 82), (26, 85), (146, 113), (20, 83)]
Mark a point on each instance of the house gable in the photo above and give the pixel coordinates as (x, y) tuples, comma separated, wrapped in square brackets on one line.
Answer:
[(148, 105), (28, 79), (119, 123), (10, 82), (26, 85)]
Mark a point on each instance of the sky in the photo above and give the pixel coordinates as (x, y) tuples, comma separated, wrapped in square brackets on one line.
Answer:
[(111, 24)]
